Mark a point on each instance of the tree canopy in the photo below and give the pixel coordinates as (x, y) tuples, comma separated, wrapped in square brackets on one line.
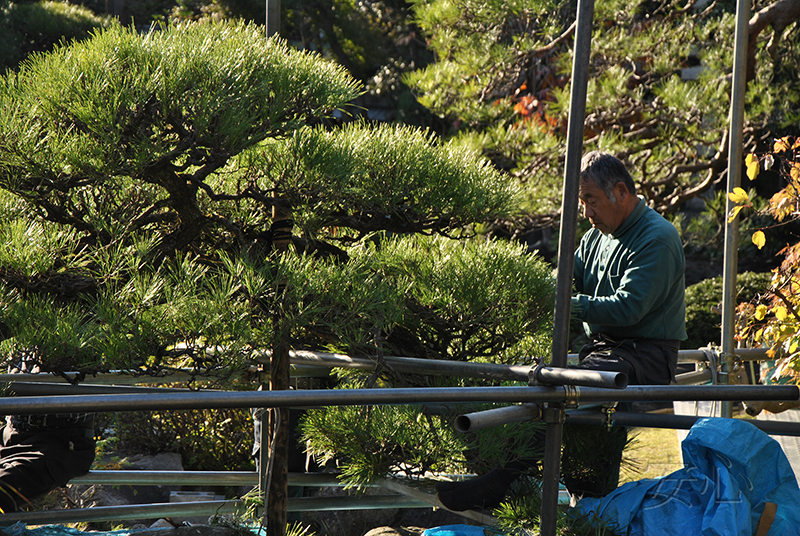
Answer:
[(659, 88), (148, 184), (141, 176)]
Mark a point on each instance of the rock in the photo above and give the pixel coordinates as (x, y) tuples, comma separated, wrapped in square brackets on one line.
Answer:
[(110, 495), (194, 530), (167, 461), (161, 524)]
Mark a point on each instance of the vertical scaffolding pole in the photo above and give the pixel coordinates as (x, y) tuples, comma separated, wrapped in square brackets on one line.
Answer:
[(731, 257), (272, 26), (273, 17), (554, 413)]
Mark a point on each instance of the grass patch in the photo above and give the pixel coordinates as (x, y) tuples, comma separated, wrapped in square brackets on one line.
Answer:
[(654, 452)]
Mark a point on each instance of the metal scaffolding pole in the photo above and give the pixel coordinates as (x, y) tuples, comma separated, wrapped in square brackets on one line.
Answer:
[(480, 420), (198, 478), (272, 20), (209, 508), (677, 422), (566, 248), (731, 255), (570, 395)]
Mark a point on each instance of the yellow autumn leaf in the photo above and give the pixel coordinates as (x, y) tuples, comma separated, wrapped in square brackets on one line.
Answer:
[(781, 145), (738, 196), (761, 312), (752, 166), (734, 212), (781, 313), (793, 347), (759, 239), (794, 171)]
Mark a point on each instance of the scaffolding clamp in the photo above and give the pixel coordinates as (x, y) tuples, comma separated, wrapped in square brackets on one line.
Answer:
[(553, 414), (609, 410), (533, 375), (713, 354), (572, 396)]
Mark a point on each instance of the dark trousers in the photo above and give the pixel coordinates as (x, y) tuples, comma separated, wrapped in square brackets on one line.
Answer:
[(644, 361), (592, 455), (36, 461)]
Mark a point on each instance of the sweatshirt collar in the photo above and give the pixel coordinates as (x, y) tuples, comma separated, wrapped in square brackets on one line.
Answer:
[(634, 216)]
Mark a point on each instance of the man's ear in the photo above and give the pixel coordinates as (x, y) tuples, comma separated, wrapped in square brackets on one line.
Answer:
[(621, 191)]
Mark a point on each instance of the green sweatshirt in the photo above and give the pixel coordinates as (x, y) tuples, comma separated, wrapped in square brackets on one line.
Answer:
[(630, 284)]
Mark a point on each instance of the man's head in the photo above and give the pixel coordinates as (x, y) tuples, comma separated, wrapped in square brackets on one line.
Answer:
[(607, 192)]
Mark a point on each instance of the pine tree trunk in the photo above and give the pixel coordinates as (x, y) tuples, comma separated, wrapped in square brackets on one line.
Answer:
[(277, 493)]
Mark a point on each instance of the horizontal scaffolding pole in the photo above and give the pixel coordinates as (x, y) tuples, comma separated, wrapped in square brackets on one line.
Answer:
[(700, 355), (104, 378), (21, 405), (490, 418), (25, 388), (696, 377), (678, 422), (436, 367), (51, 389), (312, 364), (586, 378), (201, 508), (198, 478)]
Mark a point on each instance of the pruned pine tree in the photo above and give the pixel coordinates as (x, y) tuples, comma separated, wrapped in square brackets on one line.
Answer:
[(139, 178), (658, 97)]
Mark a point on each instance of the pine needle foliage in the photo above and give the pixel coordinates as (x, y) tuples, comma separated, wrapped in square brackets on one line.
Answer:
[(27, 27), (371, 442), (473, 300), (482, 301), (141, 180), (133, 125), (383, 178), (139, 176)]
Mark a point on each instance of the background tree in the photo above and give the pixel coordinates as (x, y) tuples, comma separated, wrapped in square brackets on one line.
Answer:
[(658, 92), (28, 27)]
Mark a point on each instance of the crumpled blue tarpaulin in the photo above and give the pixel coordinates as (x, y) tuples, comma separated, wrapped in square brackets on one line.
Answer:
[(731, 470), (21, 529)]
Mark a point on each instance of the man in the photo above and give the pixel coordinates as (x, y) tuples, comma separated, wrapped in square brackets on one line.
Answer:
[(629, 278)]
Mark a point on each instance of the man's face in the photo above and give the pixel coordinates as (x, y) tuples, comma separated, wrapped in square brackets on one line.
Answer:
[(605, 215)]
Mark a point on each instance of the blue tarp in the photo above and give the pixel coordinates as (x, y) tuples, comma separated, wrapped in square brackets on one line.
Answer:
[(21, 529), (731, 470)]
